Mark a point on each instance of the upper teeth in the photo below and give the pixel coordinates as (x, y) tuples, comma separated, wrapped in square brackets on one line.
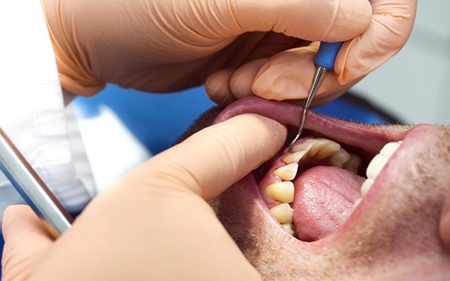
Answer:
[(377, 164)]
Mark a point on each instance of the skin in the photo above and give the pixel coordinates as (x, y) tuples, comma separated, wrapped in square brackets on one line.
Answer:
[(392, 235)]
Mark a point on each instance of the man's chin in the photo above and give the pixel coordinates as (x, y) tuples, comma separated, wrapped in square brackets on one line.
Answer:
[(335, 232)]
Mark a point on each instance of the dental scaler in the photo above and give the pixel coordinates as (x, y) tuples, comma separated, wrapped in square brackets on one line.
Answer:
[(32, 189), (326, 56)]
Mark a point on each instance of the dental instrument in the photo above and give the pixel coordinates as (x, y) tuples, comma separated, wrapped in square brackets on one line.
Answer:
[(32, 189), (325, 58)]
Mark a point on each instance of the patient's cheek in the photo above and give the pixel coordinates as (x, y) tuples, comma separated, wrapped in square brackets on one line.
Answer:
[(444, 224)]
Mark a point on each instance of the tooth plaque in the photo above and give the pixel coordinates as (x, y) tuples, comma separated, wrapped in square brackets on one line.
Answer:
[(295, 157)]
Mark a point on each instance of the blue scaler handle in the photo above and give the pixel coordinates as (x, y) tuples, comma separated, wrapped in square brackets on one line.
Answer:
[(326, 56)]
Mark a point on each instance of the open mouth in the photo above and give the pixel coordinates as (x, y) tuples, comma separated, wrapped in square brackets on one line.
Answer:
[(312, 191), (294, 217)]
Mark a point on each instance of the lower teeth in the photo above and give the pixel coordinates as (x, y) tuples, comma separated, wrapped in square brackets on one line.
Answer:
[(328, 151), (320, 149)]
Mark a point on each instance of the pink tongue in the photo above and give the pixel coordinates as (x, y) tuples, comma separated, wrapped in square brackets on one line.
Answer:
[(324, 198)]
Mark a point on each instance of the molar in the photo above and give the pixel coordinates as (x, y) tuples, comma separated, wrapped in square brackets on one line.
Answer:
[(339, 158), (353, 164), (323, 148)]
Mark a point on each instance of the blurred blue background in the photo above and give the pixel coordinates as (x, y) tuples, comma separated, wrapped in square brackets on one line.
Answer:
[(157, 120)]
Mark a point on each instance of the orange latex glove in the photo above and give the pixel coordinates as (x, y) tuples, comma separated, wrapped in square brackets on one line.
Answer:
[(160, 45), (288, 75), (154, 223)]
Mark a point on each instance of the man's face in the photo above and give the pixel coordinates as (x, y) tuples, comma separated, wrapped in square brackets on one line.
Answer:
[(296, 218)]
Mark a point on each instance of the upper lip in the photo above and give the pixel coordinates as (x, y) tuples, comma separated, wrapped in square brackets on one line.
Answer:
[(369, 138)]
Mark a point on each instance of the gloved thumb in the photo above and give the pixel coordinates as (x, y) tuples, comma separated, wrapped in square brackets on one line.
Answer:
[(216, 157), (25, 236)]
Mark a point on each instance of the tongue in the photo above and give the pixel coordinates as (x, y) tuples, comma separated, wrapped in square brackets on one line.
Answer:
[(323, 201)]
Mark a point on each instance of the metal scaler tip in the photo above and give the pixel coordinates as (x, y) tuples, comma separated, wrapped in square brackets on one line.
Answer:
[(325, 59), (318, 79)]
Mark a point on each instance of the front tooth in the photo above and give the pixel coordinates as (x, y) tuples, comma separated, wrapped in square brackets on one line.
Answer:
[(287, 172), (365, 187), (294, 157), (283, 213), (376, 165), (339, 158), (289, 228), (357, 202), (390, 148), (380, 160), (281, 191)]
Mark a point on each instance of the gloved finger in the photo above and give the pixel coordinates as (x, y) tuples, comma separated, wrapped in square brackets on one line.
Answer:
[(213, 159), (217, 86), (227, 85), (25, 236), (390, 27), (286, 76)]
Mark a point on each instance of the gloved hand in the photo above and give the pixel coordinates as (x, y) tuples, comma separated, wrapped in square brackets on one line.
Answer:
[(160, 45), (154, 223), (288, 75)]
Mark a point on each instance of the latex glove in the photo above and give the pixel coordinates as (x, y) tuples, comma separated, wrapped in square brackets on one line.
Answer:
[(154, 224), (160, 45), (288, 75)]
